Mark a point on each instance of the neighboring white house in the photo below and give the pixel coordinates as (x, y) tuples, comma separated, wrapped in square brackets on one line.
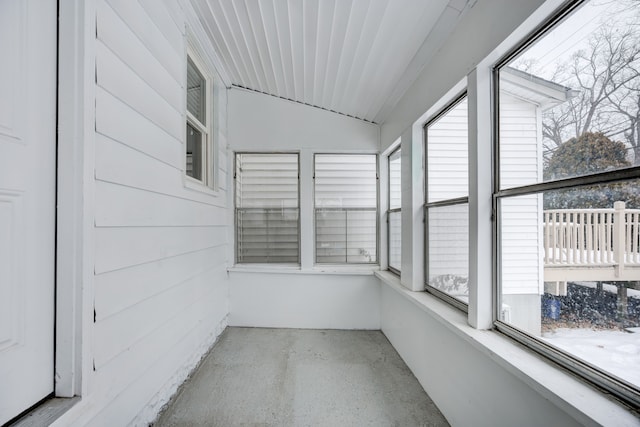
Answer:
[(523, 99)]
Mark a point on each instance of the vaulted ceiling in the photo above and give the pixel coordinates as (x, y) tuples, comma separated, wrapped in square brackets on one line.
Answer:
[(353, 57)]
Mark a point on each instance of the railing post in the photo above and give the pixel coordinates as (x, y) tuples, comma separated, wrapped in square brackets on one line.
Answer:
[(619, 237)]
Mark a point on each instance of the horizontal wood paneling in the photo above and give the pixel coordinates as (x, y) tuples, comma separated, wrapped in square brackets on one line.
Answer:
[(124, 206), (151, 36), (160, 247), (177, 357), (125, 247), (119, 79), (117, 163), (120, 289), (161, 17), (118, 333), (119, 38), (117, 120)]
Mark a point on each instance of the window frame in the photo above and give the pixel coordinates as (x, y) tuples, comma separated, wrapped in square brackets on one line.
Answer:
[(315, 210), (584, 370), (457, 99), (391, 210), (235, 210), (209, 166)]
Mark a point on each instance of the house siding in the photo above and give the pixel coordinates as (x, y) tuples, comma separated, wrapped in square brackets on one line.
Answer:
[(161, 288), (520, 164)]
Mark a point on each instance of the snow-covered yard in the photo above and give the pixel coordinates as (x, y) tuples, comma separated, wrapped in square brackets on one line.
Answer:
[(616, 352)]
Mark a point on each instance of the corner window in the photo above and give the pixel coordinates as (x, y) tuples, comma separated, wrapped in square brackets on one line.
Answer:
[(346, 208), (394, 214), (447, 204), (567, 194), (267, 208), (199, 153)]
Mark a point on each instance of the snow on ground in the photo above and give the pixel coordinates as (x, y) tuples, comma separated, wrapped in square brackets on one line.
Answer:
[(616, 352)]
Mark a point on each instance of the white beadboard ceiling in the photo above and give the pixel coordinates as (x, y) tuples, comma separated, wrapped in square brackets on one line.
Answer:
[(353, 57)]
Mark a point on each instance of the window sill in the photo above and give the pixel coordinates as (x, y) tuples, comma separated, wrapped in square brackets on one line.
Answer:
[(195, 185), (578, 399), (288, 269)]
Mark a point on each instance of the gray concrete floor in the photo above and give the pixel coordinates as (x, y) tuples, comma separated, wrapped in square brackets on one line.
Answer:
[(292, 377)]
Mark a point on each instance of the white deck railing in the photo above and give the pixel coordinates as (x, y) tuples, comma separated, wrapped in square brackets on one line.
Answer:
[(592, 237)]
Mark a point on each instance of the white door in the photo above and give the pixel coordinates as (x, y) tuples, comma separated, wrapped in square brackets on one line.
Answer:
[(27, 202)]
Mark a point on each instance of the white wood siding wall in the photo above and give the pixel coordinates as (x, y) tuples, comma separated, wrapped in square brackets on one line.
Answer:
[(447, 178), (520, 164), (161, 292)]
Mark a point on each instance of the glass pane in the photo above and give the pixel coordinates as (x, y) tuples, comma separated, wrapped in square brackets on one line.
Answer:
[(195, 154), (267, 235), (266, 180), (267, 208), (346, 236), (331, 236), (196, 92), (447, 155), (570, 272), (346, 199), (395, 180), (448, 250), (346, 181), (362, 236), (395, 240), (569, 103)]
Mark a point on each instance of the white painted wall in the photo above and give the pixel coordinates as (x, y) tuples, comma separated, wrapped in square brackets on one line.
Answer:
[(472, 40), (160, 284), (472, 387), (304, 300), (305, 297), (259, 122)]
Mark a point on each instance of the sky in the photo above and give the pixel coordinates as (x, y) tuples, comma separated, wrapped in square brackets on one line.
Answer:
[(564, 40)]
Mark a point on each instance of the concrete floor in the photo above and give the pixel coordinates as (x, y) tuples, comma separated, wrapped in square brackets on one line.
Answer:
[(291, 377)]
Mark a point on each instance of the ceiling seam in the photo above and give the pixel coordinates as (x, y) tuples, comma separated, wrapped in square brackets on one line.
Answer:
[(237, 86)]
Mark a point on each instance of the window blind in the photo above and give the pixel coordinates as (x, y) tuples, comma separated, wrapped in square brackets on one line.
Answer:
[(267, 210), (346, 194)]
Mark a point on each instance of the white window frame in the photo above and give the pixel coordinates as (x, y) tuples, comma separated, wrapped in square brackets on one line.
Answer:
[(583, 369), (209, 166), (391, 210), (454, 102), (315, 210), (235, 212)]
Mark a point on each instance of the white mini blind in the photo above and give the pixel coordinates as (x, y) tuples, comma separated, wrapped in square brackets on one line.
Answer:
[(196, 92), (346, 200), (267, 209)]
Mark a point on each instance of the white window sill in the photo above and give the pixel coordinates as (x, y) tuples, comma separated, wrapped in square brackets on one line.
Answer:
[(195, 185), (353, 270), (575, 397)]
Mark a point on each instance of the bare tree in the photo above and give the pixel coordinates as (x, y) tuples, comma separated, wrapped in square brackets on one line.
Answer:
[(605, 77)]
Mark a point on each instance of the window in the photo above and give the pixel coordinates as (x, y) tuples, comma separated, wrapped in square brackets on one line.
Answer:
[(346, 200), (267, 208), (395, 211), (447, 204), (566, 196), (199, 163)]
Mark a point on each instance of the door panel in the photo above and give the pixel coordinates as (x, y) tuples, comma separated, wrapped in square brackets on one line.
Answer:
[(27, 202)]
